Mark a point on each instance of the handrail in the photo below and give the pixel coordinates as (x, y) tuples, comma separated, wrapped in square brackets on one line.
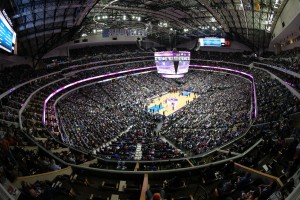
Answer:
[(295, 195), (291, 89), (220, 61), (108, 65), (172, 170), (25, 83), (43, 176), (102, 61), (261, 173), (142, 172), (86, 80), (287, 71), (120, 54), (57, 72), (144, 187), (29, 98)]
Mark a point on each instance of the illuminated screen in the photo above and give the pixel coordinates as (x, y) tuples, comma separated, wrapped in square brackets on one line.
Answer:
[(212, 42), (173, 75), (7, 35), (165, 62), (183, 66)]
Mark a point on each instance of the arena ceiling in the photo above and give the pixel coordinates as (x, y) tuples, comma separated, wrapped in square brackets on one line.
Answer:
[(41, 25)]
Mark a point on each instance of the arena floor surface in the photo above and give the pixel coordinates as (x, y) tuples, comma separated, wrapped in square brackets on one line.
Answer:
[(169, 103)]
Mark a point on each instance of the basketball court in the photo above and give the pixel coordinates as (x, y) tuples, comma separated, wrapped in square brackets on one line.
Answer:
[(170, 102)]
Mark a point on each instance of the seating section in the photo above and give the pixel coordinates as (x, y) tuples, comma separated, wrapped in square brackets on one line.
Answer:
[(108, 120)]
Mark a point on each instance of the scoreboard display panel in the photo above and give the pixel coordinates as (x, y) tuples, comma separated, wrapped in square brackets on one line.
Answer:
[(164, 62), (169, 62), (214, 42), (7, 35)]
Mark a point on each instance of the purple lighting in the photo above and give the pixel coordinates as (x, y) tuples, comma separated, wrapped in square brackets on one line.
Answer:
[(84, 80), (140, 69), (173, 75)]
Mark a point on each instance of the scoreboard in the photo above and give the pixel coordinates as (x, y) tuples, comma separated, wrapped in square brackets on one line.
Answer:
[(7, 35), (213, 42), (171, 63)]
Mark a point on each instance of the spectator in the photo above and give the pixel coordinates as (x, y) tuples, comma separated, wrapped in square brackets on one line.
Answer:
[(53, 166)]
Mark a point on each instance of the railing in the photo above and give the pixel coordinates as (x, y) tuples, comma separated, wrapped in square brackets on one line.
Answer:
[(295, 195), (287, 71), (291, 89), (25, 83), (29, 98), (144, 172), (90, 79), (101, 62), (61, 71)]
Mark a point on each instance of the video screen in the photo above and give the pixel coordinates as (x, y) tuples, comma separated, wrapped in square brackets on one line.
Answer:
[(183, 66), (212, 42), (7, 35), (165, 62)]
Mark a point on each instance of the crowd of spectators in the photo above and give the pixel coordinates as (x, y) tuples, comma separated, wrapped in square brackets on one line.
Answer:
[(106, 50), (273, 99), (292, 64), (91, 56), (201, 126), (133, 91), (12, 76), (234, 57), (104, 112), (272, 106), (20, 157), (87, 57), (119, 106)]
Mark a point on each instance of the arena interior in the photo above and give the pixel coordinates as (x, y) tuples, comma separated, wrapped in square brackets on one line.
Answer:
[(149, 99)]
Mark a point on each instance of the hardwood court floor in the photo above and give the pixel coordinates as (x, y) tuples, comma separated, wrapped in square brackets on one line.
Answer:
[(166, 99)]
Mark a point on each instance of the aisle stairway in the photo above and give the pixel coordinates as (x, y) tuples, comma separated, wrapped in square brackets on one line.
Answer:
[(138, 152)]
